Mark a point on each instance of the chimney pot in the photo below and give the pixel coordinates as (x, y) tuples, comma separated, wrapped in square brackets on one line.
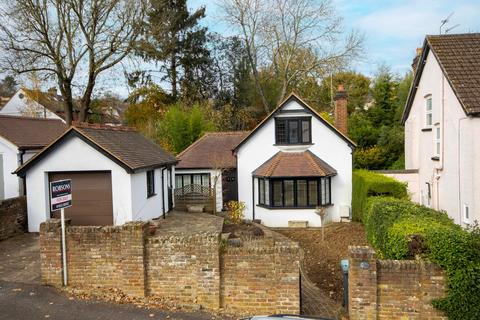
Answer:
[(341, 111)]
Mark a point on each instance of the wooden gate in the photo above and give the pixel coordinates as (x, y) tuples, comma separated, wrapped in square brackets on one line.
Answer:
[(194, 194)]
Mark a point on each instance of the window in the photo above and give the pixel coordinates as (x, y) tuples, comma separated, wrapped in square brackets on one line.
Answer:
[(150, 183), (295, 192), (293, 130), (182, 180), (466, 213), (436, 141), (428, 111)]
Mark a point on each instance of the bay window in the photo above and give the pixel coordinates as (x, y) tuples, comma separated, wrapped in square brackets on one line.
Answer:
[(294, 192)]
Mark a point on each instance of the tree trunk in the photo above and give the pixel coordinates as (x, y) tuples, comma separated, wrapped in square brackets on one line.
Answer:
[(86, 100), (66, 90), (173, 75), (256, 78), (282, 93)]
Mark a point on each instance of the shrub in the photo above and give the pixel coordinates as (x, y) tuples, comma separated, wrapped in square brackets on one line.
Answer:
[(392, 225), (235, 211), (367, 183)]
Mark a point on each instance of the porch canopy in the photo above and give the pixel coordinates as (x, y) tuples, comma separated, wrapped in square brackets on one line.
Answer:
[(294, 164)]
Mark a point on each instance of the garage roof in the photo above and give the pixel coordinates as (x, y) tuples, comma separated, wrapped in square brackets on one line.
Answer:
[(30, 133), (123, 145)]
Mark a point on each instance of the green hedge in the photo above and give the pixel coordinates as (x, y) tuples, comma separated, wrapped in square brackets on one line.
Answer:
[(398, 229), (367, 183)]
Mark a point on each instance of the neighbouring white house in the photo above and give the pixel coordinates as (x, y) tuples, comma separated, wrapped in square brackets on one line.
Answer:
[(442, 125), (294, 162), (20, 139), (34, 103), (117, 176), (209, 162)]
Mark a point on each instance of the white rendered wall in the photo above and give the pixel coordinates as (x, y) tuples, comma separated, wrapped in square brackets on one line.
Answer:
[(213, 174), (327, 145), (17, 106), (458, 175), (411, 179), (11, 182), (75, 155), (143, 207)]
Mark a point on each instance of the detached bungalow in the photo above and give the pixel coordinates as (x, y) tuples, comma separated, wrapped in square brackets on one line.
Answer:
[(117, 176), (294, 162), (20, 139)]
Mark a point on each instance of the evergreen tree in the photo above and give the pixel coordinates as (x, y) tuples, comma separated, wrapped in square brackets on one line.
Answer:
[(174, 39)]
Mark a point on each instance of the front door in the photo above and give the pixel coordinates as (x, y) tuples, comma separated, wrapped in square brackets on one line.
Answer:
[(229, 185)]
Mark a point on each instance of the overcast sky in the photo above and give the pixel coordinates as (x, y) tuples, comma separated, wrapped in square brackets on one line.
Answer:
[(393, 29)]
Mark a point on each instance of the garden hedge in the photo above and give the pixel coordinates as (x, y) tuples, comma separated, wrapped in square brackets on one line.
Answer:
[(367, 183), (399, 229)]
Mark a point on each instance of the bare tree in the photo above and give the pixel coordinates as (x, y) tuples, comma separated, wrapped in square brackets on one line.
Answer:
[(297, 38), (70, 40)]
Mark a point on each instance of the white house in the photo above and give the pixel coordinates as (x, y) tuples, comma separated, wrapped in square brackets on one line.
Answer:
[(34, 103), (20, 139), (295, 161), (210, 162), (442, 126), (117, 176)]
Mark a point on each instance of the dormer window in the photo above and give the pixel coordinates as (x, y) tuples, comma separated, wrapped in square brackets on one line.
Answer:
[(428, 111), (293, 130)]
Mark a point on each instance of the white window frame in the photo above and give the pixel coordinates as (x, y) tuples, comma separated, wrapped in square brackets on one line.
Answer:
[(466, 213), (428, 112), (437, 140)]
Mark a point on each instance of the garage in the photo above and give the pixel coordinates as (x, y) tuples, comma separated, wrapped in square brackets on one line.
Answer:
[(91, 197)]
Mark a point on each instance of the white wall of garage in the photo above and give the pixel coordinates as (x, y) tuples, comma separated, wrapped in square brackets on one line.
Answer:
[(128, 190)]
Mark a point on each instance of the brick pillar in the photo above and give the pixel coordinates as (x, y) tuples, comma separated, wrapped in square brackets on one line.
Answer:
[(51, 252), (133, 235), (341, 110), (362, 283)]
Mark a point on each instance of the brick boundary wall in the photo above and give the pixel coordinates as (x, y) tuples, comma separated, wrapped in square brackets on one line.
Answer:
[(253, 276), (392, 289), (13, 217)]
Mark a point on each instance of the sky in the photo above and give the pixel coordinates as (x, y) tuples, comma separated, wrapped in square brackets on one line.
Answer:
[(392, 29)]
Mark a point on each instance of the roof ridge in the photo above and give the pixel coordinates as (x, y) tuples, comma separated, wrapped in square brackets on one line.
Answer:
[(101, 126), (313, 161), (232, 132), (28, 118)]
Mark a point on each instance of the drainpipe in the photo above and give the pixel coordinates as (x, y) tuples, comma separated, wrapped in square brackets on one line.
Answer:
[(163, 193), (439, 168), (20, 161), (459, 169), (253, 198)]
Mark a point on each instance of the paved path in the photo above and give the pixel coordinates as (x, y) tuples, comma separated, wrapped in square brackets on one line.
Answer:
[(20, 259), (32, 301)]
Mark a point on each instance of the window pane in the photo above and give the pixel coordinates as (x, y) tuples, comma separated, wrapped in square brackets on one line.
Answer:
[(312, 193), (261, 191), (205, 180), (150, 182), (327, 191), (277, 193), (288, 189), (267, 192), (293, 131), (178, 181), (429, 104), (429, 119), (305, 131), (197, 179), (322, 191), (281, 131), (302, 193)]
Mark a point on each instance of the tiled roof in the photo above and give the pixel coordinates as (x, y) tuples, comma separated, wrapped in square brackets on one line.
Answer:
[(30, 133), (459, 58), (123, 145), (295, 164), (127, 145), (212, 150)]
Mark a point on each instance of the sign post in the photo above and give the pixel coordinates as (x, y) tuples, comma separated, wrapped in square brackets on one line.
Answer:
[(61, 198)]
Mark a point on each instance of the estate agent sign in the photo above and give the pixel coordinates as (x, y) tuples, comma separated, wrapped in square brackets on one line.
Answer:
[(60, 194)]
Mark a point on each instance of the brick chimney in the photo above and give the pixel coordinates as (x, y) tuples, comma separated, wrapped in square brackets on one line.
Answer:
[(341, 111), (418, 54)]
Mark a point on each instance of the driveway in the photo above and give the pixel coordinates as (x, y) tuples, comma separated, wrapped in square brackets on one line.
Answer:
[(22, 296), (20, 259)]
